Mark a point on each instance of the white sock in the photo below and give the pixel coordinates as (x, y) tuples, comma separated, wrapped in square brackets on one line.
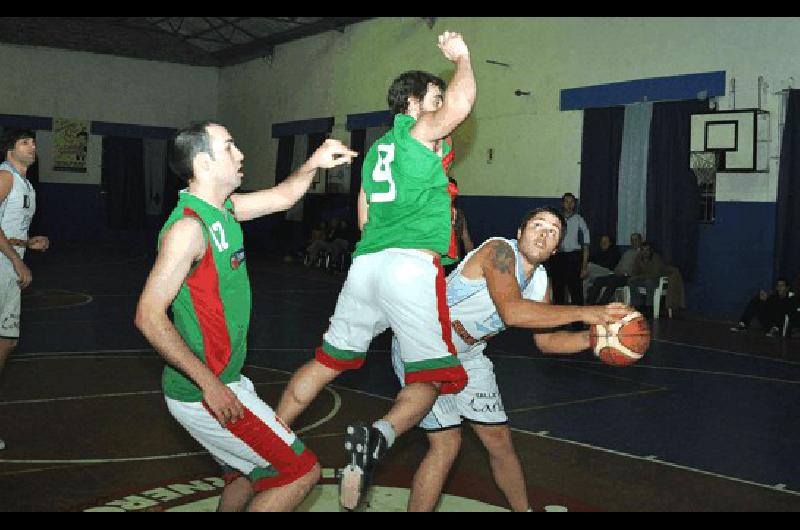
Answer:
[(387, 430)]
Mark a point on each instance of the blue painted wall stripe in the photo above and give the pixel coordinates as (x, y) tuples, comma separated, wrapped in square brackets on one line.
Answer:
[(291, 128), (688, 86), (368, 119), (734, 259), (36, 123), (127, 130), (489, 216), (734, 254)]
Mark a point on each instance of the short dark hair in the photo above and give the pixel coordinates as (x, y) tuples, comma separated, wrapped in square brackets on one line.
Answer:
[(412, 83), (12, 136), (187, 144), (547, 209), (569, 194)]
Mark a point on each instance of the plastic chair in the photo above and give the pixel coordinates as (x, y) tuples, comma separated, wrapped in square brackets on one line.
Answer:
[(661, 290), (787, 319)]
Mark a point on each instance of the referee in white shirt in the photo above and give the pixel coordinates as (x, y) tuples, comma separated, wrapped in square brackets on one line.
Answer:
[(569, 264)]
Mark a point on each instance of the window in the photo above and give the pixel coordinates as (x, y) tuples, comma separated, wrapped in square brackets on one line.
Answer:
[(708, 201)]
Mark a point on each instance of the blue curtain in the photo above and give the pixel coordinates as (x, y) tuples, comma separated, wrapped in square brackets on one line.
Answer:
[(787, 249), (600, 159), (673, 196)]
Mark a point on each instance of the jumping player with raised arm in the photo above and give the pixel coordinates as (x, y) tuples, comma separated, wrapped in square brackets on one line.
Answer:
[(396, 279)]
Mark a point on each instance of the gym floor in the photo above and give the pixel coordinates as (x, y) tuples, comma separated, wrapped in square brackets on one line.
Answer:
[(706, 421)]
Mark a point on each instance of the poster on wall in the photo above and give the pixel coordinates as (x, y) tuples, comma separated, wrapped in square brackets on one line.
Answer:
[(70, 144)]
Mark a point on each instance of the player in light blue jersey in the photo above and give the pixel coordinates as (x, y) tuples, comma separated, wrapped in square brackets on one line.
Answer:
[(500, 284), (17, 207)]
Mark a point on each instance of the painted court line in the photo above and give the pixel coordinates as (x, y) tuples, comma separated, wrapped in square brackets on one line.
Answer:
[(654, 459), (664, 368), (93, 354), (718, 350), (100, 396), (507, 355), (105, 460), (332, 386), (337, 405), (587, 400)]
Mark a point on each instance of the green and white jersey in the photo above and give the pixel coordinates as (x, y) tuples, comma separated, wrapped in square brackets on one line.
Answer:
[(212, 309), (407, 193)]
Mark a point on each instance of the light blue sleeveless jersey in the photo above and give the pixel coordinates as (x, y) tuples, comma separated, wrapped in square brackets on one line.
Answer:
[(16, 211), (472, 312)]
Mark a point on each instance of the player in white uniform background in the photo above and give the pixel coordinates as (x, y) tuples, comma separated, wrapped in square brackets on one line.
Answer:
[(17, 206), (502, 283)]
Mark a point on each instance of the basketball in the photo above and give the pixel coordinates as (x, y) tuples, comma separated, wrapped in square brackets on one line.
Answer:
[(623, 342)]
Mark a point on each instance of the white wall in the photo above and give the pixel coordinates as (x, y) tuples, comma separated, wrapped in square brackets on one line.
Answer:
[(47, 82), (536, 146)]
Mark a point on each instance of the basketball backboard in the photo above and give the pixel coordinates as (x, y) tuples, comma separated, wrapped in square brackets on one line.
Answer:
[(740, 137)]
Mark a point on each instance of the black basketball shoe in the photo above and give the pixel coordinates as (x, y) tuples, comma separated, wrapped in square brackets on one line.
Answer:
[(365, 445)]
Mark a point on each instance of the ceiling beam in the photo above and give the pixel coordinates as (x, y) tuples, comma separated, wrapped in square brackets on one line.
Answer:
[(264, 47), (216, 27), (92, 35)]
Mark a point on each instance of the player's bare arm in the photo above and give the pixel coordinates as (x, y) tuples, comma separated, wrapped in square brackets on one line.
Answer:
[(560, 342), (40, 243), (182, 246), (498, 266), (458, 98), (363, 209), (331, 153)]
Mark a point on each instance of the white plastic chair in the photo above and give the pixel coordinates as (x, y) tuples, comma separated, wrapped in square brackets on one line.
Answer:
[(661, 290), (786, 319)]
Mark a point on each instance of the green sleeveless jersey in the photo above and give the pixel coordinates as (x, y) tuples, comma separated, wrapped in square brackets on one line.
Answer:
[(212, 309), (407, 193)]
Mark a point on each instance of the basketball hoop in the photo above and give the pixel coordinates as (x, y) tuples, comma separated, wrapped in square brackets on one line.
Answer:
[(704, 166)]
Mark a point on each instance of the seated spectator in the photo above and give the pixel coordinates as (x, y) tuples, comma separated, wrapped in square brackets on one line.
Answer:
[(318, 234), (334, 241), (601, 262), (647, 272), (622, 271), (770, 309)]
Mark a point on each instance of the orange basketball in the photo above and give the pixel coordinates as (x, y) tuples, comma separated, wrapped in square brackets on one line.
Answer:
[(623, 342)]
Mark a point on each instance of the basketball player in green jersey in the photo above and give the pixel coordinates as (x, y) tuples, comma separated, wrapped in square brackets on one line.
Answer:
[(201, 272), (396, 279)]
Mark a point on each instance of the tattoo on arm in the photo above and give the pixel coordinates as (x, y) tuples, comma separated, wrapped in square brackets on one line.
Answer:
[(503, 258)]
